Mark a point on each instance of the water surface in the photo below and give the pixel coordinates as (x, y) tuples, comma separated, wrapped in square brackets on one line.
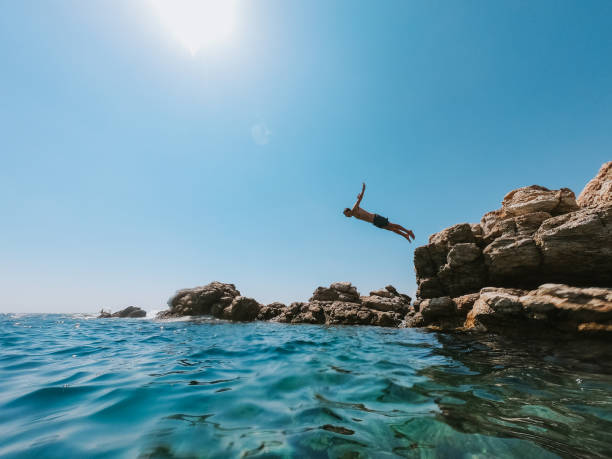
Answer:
[(72, 386)]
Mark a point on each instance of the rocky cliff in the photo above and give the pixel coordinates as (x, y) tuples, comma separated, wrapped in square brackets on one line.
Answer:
[(524, 261)]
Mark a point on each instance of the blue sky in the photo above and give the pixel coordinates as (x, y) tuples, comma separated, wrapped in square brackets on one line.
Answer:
[(130, 168)]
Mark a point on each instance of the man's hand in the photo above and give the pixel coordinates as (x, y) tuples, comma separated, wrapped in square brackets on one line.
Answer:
[(360, 195)]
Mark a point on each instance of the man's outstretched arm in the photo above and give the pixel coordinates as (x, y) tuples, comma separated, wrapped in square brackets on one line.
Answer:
[(359, 198)]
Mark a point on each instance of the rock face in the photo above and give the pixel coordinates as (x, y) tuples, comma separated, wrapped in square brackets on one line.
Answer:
[(129, 312), (485, 276), (598, 192), (538, 235), (216, 299)]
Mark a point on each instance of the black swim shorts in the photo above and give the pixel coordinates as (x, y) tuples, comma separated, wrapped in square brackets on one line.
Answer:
[(379, 221)]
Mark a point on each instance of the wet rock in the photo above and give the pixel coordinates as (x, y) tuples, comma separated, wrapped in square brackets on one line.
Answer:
[(598, 192)]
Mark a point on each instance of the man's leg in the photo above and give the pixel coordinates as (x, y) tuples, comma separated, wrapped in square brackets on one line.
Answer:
[(403, 231), (391, 227)]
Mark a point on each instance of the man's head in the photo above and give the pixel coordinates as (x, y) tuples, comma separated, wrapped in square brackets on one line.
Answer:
[(347, 212)]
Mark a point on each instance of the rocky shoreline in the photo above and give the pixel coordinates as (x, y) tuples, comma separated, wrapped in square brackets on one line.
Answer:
[(542, 262)]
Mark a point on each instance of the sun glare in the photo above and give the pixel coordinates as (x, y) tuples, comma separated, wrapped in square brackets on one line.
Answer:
[(197, 23)]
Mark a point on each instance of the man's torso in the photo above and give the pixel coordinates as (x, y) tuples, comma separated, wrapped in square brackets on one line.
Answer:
[(364, 215)]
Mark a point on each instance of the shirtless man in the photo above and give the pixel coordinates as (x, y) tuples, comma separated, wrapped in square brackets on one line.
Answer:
[(377, 220)]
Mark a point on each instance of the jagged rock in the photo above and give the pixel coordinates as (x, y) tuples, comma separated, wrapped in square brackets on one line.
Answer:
[(464, 303), (392, 289), (395, 304), (208, 299), (271, 311), (510, 258), (129, 312), (384, 308), (549, 307), (242, 309), (382, 292), (340, 313), (537, 198), (463, 254), (429, 287), (494, 306), (451, 264), (344, 287), (598, 192), (415, 320), (577, 247), (435, 308), (298, 312), (463, 278), (570, 303), (338, 291), (387, 300)]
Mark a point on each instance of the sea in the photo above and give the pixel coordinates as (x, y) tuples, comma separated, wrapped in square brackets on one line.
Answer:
[(77, 386)]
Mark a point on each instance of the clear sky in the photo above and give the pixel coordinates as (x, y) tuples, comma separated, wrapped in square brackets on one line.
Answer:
[(131, 167)]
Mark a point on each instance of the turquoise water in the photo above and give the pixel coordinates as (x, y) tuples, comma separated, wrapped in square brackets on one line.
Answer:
[(73, 386)]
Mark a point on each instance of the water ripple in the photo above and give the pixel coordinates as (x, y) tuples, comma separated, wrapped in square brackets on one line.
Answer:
[(75, 387)]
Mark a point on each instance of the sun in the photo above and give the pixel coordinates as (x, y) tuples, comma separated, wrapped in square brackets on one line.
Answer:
[(197, 23)]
